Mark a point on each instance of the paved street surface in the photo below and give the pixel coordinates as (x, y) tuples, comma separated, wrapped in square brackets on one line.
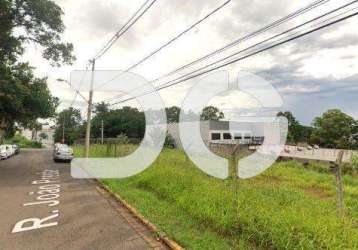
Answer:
[(43, 207)]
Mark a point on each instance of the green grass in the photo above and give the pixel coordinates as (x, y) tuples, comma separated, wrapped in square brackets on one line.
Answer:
[(288, 207), (22, 142)]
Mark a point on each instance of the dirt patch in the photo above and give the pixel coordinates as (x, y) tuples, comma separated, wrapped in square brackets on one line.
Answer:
[(317, 192)]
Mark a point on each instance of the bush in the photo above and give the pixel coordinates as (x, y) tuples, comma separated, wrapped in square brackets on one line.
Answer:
[(169, 141), (23, 142), (355, 161), (122, 139)]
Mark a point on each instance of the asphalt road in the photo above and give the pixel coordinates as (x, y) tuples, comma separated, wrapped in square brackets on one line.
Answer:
[(43, 207)]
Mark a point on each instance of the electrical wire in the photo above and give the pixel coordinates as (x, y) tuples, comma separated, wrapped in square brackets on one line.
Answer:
[(241, 39), (124, 29), (250, 55), (168, 43)]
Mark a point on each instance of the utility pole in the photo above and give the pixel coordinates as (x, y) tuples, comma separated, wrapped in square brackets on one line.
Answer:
[(63, 129), (89, 111), (102, 128)]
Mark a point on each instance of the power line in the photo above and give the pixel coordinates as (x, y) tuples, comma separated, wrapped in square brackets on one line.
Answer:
[(169, 42), (249, 55), (120, 30), (241, 39), (124, 28), (266, 40), (250, 35)]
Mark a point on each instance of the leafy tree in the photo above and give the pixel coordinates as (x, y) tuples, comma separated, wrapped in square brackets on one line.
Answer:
[(40, 22), (70, 120), (211, 113), (173, 114), (101, 108), (23, 97), (127, 120), (334, 129), (295, 130)]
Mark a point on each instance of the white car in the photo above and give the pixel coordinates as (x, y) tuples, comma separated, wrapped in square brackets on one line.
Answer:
[(63, 153), (3, 152), (10, 149)]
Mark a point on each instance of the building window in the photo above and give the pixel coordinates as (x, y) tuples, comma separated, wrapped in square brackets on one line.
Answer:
[(227, 136), (247, 137), (238, 137), (215, 136)]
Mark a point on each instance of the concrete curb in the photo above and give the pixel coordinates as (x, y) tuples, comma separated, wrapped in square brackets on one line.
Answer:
[(161, 235)]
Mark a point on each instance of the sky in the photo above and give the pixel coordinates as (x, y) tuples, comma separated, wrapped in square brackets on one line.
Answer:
[(312, 74)]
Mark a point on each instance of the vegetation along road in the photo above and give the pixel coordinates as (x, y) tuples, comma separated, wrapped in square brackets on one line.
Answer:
[(288, 207)]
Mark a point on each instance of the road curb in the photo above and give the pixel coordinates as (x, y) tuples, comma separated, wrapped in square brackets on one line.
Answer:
[(161, 235)]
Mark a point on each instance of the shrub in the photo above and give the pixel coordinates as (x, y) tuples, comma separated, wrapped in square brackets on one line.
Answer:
[(355, 162), (23, 142), (169, 141), (122, 139)]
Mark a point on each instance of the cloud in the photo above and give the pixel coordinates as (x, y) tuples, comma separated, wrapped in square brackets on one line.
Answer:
[(312, 73)]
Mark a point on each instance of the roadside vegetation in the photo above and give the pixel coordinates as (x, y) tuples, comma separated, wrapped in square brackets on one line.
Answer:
[(23, 142), (288, 207)]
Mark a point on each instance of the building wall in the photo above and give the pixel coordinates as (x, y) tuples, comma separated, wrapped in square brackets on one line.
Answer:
[(207, 128)]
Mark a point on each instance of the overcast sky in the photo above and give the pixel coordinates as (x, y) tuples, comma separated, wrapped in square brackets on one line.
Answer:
[(312, 74)]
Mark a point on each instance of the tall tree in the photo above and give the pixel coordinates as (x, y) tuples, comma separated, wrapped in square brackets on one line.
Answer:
[(173, 114), (295, 130), (68, 122), (23, 97), (334, 129), (101, 108), (128, 121), (211, 113)]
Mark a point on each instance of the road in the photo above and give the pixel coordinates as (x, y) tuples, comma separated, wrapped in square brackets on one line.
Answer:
[(43, 207)]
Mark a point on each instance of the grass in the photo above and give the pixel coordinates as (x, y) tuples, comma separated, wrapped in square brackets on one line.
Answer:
[(288, 207), (22, 142)]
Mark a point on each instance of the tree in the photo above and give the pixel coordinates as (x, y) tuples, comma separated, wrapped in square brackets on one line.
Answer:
[(127, 120), (296, 132), (334, 129), (23, 97), (211, 113), (41, 23), (101, 108), (68, 121), (173, 114)]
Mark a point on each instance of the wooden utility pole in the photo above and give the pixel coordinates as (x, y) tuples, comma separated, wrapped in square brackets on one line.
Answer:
[(89, 112), (339, 183), (233, 171), (102, 129), (63, 129)]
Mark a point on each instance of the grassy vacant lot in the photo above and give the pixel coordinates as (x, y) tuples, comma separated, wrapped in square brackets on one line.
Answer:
[(288, 207)]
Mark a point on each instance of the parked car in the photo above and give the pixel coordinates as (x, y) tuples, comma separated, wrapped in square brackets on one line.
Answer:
[(16, 149), (62, 152), (10, 149), (4, 153)]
